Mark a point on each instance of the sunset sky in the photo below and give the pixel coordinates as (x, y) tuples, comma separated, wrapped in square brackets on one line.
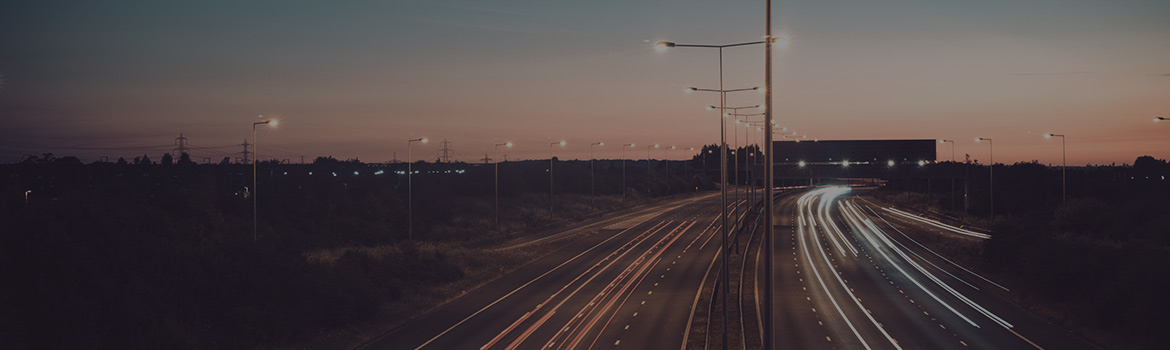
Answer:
[(360, 78)]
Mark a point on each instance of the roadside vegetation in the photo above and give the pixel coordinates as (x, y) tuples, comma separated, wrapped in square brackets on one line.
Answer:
[(1096, 264), (137, 254)]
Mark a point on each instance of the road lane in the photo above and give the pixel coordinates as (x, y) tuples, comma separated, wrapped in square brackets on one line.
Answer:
[(894, 294), (626, 286)]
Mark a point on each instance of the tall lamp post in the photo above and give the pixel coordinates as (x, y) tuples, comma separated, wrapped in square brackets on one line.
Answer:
[(991, 183), (592, 190), (666, 150), (723, 144), (1063, 168), (952, 142), (255, 213), (624, 169), (410, 186), (648, 182), (509, 145), (550, 176), (735, 136)]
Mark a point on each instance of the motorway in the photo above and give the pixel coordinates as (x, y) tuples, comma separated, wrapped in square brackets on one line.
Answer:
[(632, 284), (848, 276)]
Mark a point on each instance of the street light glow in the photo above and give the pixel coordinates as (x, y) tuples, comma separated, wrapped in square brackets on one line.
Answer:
[(562, 143), (424, 140), (780, 42), (1047, 136), (978, 139), (890, 163), (922, 163), (801, 163), (509, 144)]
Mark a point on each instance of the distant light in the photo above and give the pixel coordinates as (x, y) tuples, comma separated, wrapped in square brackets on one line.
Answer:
[(801, 163), (921, 163), (379, 172), (310, 173), (562, 143), (355, 173), (1047, 136), (845, 163), (890, 163), (425, 140), (335, 174), (273, 122), (509, 144), (601, 143)]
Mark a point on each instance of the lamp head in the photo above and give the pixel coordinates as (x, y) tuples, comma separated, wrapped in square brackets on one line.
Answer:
[(425, 140), (780, 41), (562, 143), (509, 144), (663, 45)]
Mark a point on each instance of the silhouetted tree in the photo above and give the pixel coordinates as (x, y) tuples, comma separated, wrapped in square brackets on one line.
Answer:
[(185, 159), (167, 159)]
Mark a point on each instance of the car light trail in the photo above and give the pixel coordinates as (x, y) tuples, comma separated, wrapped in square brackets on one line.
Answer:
[(933, 252), (935, 223)]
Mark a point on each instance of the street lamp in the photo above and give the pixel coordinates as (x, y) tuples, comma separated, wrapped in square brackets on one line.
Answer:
[(723, 139), (648, 183), (592, 191), (953, 199), (991, 183), (666, 150), (1158, 119), (255, 148), (509, 145), (550, 176), (1063, 168), (410, 186), (662, 46), (624, 169)]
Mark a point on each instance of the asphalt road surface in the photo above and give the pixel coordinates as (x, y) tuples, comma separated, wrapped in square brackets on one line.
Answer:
[(848, 277), (632, 284)]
